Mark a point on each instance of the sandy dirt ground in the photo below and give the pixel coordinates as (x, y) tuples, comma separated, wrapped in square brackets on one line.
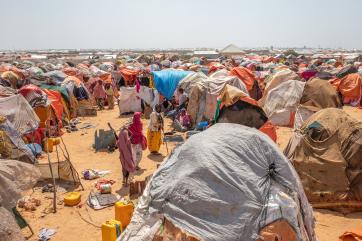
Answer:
[(83, 224)]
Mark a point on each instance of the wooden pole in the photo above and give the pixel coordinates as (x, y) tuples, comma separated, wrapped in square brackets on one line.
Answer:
[(51, 172)]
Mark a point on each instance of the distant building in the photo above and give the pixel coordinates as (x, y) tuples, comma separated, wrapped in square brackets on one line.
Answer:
[(232, 50), (209, 54)]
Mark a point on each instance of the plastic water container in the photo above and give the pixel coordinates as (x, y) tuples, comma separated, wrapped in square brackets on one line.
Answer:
[(111, 230), (72, 198), (202, 125), (123, 212)]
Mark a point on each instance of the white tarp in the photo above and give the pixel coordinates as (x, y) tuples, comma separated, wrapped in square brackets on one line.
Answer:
[(128, 100), (275, 80), (282, 101), (225, 183)]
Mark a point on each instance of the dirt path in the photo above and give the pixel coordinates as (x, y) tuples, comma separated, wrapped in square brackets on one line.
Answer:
[(82, 224)]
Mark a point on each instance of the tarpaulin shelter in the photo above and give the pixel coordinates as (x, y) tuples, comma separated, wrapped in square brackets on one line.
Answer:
[(130, 99), (56, 75), (281, 102), (72, 71), (229, 182), (249, 80), (327, 154), (235, 106), (350, 87), (318, 94), (12, 145), (34, 95), (276, 79), (203, 92), (166, 81), (18, 111), (55, 99), (15, 177)]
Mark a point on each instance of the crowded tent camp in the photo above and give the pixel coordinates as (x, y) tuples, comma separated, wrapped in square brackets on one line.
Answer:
[(169, 122), (163, 121)]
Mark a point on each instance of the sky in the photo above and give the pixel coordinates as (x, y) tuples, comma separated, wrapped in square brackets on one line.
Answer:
[(123, 24)]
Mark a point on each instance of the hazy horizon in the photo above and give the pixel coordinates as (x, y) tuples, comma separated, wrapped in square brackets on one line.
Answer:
[(162, 24)]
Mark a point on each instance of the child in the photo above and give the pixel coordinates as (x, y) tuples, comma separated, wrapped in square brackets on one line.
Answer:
[(154, 130)]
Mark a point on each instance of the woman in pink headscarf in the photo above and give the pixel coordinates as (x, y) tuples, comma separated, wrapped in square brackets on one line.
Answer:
[(125, 154), (138, 140)]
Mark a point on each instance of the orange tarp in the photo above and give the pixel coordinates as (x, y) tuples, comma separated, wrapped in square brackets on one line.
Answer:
[(244, 75), (71, 71), (354, 235), (129, 75), (56, 104), (350, 86)]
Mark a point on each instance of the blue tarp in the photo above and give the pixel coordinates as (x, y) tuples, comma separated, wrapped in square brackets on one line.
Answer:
[(166, 81)]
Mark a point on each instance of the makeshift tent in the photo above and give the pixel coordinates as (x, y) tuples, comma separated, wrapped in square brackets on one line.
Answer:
[(56, 75), (34, 95), (55, 99), (129, 75), (237, 107), (281, 102), (350, 87), (128, 101), (318, 94), (229, 182), (12, 145), (18, 111), (166, 81), (327, 154), (203, 93), (276, 79), (249, 80), (15, 177)]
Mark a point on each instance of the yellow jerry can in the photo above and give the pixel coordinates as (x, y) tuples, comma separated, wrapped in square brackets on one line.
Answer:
[(72, 198), (111, 230), (123, 212)]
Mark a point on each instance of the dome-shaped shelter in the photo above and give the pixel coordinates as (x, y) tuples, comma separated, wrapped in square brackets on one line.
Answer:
[(229, 182), (327, 154)]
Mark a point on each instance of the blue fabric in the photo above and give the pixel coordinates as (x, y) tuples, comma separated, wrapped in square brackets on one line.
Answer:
[(166, 81), (35, 148)]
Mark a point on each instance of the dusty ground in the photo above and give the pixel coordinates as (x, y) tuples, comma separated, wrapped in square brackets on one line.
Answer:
[(82, 224)]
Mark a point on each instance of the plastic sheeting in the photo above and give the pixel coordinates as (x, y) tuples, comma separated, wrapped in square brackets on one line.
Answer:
[(128, 100), (18, 111), (275, 80), (150, 96), (225, 183), (282, 101), (203, 93), (15, 177), (166, 81)]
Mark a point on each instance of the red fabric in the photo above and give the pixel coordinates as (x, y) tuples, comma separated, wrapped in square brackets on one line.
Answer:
[(308, 74), (244, 75), (36, 136), (136, 130), (56, 104), (27, 89), (269, 129)]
